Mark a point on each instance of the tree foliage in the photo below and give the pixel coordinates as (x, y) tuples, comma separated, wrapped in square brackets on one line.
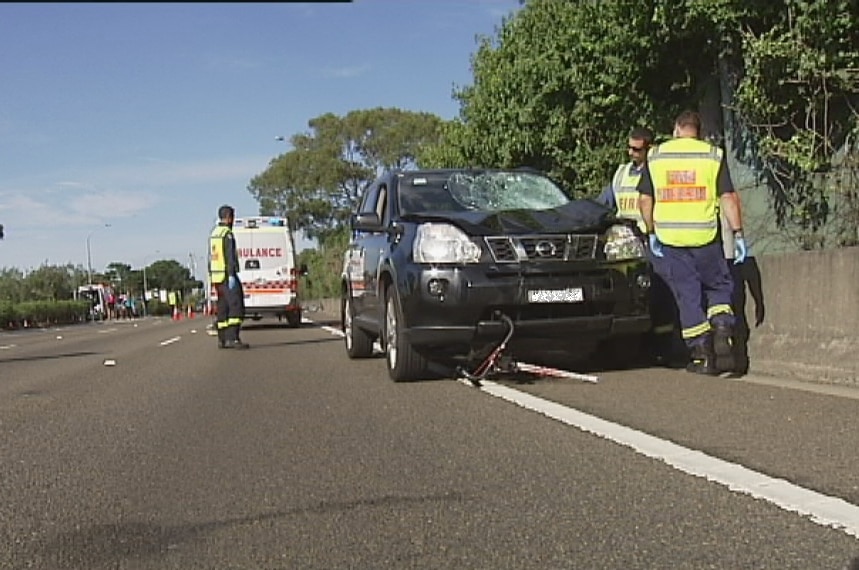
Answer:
[(318, 183), (171, 275), (798, 97), (561, 83), (121, 276), (324, 265)]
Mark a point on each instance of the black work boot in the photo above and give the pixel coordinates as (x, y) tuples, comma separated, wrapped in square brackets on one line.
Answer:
[(222, 337), (232, 338), (703, 358), (723, 347)]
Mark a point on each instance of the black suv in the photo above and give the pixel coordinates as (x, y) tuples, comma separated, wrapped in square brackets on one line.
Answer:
[(441, 260)]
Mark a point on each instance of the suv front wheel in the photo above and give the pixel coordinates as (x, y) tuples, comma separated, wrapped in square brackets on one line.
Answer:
[(358, 343), (403, 362)]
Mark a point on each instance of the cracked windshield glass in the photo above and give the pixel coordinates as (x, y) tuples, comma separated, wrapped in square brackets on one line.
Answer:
[(500, 191), (483, 191)]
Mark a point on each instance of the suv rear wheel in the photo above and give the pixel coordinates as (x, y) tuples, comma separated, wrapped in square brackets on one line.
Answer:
[(358, 343), (403, 362)]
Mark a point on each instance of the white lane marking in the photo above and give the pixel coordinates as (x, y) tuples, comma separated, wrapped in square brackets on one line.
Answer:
[(823, 509), (332, 330), (169, 340), (103, 331), (7, 346)]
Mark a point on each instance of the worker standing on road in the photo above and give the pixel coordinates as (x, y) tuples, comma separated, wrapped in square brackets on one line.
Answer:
[(224, 275), (684, 185), (622, 196)]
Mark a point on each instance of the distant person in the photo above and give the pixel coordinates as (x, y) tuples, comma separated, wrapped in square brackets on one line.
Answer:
[(745, 273), (224, 275), (111, 304)]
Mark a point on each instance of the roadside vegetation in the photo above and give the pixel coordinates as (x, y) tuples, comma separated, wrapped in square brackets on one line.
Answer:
[(49, 295)]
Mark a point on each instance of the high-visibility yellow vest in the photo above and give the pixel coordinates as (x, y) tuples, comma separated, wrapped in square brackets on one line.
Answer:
[(217, 259), (624, 185), (685, 203)]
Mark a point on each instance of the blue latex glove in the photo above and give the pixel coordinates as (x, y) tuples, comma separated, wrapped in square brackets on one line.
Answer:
[(656, 246), (232, 282), (739, 250)]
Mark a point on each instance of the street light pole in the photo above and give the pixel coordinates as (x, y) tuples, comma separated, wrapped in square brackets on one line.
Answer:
[(89, 254)]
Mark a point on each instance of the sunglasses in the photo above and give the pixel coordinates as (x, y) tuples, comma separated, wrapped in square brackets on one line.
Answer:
[(636, 148)]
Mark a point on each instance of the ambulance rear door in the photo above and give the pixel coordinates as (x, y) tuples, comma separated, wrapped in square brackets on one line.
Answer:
[(267, 266)]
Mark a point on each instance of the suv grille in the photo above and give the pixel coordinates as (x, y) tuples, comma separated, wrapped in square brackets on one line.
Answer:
[(570, 247)]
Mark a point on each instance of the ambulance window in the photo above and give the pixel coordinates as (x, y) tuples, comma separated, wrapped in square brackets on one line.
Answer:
[(252, 264)]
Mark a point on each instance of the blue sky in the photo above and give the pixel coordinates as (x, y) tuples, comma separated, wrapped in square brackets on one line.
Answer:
[(147, 117)]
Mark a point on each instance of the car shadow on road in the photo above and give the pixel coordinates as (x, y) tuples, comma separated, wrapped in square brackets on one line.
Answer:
[(48, 356), (258, 346), (252, 326)]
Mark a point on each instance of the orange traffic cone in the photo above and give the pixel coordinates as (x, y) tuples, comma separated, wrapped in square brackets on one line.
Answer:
[(190, 312)]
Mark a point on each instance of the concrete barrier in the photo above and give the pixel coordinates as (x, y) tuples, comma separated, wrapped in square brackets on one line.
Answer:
[(812, 317)]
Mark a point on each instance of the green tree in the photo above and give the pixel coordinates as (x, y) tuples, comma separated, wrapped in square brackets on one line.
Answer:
[(798, 97), (558, 89), (50, 283), (560, 84), (120, 276), (324, 265), (171, 275), (12, 287), (317, 184)]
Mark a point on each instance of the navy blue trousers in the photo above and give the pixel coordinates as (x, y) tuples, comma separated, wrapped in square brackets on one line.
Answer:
[(701, 282)]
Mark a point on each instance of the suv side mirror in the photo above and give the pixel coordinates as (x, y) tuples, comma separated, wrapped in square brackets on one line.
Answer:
[(367, 222)]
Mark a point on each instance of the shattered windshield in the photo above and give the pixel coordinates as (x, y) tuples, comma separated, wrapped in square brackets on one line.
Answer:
[(487, 191)]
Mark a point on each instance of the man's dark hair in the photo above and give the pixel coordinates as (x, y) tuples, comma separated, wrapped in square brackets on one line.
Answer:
[(642, 134), (689, 119), (225, 212)]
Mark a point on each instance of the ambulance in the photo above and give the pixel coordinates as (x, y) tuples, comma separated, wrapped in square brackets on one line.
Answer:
[(268, 268)]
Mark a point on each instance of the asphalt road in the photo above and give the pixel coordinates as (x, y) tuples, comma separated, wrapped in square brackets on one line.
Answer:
[(289, 455)]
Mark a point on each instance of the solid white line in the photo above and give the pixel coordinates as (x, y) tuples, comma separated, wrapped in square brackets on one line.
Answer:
[(170, 340), (823, 509)]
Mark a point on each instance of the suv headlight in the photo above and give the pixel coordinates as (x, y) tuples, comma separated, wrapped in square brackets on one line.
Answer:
[(443, 243), (622, 243)]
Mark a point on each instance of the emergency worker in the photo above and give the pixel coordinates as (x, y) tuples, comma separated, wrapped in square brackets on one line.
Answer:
[(622, 196), (684, 186), (224, 275)]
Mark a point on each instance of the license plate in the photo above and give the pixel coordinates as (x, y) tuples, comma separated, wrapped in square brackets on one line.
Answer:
[(569, 295)]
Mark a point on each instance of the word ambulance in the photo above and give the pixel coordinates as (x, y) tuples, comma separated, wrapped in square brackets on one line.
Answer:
[(260, 252)]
